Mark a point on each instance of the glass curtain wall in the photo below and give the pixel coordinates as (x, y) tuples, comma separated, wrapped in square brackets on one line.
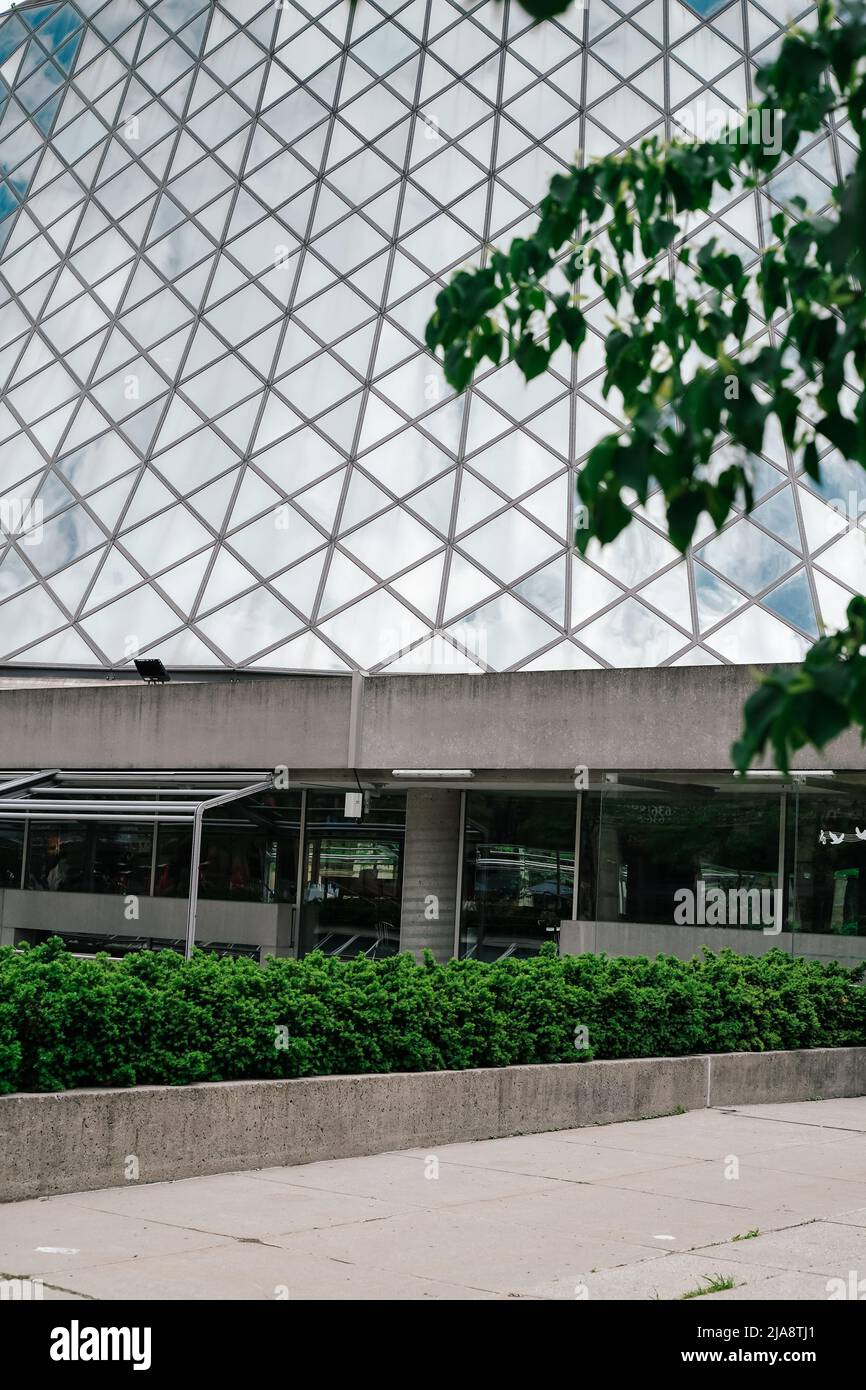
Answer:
[(249, 852), (826, 839), (518, 872), (697, 856), (669, 856), (11, 853), (246, 209), (89, 857), (353, 871)]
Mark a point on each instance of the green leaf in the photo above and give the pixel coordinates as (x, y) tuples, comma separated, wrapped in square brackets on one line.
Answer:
[(531, 357), (683, 513)]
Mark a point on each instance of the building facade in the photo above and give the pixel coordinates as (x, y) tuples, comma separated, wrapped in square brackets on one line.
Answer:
[(223, 445), (471, 815)]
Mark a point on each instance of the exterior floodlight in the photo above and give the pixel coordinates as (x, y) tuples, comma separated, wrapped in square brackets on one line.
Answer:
[(446, 773), (152, 671)]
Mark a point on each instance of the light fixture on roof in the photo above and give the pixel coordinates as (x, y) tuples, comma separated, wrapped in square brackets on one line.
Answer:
[(152, 671), (445, 774)]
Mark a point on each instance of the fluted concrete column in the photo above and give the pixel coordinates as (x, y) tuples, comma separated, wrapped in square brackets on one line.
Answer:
[(430, 871)]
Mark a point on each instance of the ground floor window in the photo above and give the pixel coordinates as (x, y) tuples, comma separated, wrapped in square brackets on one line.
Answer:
[(518, 872), (664, 855), (249, 853), (827, 853), (89, 857), (695, 856), (11, 853), (352, 875)]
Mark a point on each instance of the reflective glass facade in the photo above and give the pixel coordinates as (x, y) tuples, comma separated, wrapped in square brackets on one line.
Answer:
[(518, 872), (668, 855), (352, 875), (89, 857), (222, 229), (640, 848)]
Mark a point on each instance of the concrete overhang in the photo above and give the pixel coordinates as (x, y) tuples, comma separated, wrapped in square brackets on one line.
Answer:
[(550, 721)]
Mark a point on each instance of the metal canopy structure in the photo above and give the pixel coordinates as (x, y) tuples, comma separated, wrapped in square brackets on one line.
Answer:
[(138, 797), (168, 798)]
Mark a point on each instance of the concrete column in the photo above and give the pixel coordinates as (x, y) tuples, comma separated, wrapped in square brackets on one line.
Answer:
[(7, 931), (430, 871)]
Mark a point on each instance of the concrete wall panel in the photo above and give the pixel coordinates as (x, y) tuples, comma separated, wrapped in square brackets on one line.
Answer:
[(80, 1140), (638, 939), (663, 717)]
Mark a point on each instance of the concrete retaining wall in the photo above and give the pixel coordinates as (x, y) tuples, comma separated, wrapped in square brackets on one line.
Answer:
[(80, 1140)]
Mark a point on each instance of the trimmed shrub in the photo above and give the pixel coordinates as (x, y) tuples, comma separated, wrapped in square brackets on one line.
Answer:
[(153, 1017)]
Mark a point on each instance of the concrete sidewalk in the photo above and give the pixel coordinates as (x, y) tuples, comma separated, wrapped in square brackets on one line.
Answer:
[(648, 1209)]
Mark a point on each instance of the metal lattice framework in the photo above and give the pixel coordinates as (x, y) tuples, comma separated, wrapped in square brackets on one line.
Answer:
[(222, 228)]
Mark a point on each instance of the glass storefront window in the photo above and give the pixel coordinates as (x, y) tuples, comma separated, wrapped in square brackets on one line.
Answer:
[(827, 844), (353, 875), (11, 850), (249, 852), (518, 872), (645, 855), (89, 857)]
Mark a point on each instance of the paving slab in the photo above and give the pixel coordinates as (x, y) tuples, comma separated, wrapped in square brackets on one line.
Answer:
[(411, 1179), (260, 1272), (791, 1287), (842, 1113), (745, 1185), (53, 1233), (707, 1135), (473, 1247), (642, 1210), (549, 1156), (233, 1205), (837, 1158), (820, 1247), (669, 1277)]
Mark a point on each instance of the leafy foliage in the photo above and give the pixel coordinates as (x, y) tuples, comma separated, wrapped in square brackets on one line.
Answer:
[(155, 1018), (687, 364)]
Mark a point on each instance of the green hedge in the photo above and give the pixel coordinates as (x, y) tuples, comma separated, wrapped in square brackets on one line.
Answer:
[(153, 1017)]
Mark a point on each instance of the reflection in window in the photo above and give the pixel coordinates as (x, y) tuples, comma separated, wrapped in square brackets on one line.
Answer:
[(638, 850), (11, 850), (353, 876), (247, 855), (89, 857), (829, 862), (518, 872), (352, 896)]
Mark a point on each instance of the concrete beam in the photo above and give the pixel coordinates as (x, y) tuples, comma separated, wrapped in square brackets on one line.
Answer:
[(301, 721), (662, 717)]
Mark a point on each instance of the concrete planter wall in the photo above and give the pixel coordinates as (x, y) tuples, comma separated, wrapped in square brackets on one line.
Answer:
[(640, 939), (80, 1140)]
